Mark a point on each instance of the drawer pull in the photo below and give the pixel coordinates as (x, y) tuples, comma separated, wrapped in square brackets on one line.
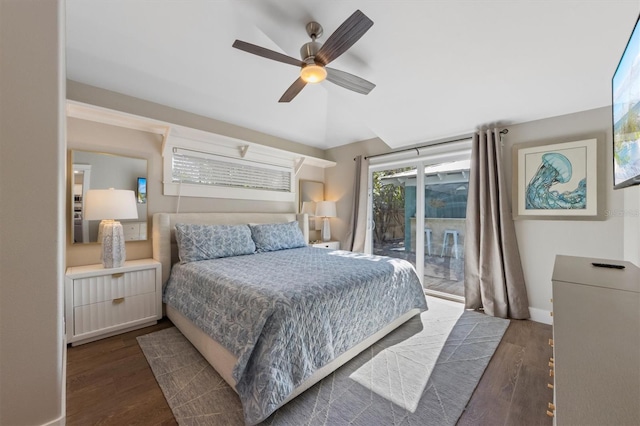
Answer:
[(551, 342), (551, 364), (549, 413), (551, 406), (549, 385), (551, 372), (118, 300), (121, 274), (551, 313), (551, 359)]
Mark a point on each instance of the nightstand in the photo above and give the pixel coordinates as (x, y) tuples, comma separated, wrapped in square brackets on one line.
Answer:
[(334, 245), (103, 302)]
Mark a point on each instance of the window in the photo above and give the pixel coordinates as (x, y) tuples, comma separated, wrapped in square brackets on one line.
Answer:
[(200, 174), (208, 169)]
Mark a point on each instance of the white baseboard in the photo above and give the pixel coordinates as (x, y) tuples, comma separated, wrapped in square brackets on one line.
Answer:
[(60, 421), (540, 315)]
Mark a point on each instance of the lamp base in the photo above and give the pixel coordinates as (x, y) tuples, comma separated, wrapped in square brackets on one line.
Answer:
[(326, 229), (113, 248)]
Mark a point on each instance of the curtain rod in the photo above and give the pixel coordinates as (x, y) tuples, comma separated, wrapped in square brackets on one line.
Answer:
[(417, 148)]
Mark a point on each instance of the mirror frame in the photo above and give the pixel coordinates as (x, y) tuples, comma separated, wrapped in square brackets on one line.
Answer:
[(134, 185)]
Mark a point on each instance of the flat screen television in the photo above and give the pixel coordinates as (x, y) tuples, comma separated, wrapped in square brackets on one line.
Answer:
[(625, 93)]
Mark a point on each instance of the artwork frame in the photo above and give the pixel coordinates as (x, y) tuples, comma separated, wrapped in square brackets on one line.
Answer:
[(556, 181)]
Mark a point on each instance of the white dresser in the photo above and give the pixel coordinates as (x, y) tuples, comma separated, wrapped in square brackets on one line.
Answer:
[(596, 343), (102, 302)]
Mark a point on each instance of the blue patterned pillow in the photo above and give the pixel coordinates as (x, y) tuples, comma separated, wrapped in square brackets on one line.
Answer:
[(277, 236), (201, 242)]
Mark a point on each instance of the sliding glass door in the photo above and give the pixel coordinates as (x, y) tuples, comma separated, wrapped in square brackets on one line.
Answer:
[(445, 199), (393, 214), (420, 216)]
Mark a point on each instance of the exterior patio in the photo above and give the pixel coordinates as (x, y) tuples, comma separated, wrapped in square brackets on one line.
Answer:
[(442, 274)]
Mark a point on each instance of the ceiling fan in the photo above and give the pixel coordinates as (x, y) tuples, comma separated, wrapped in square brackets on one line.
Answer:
[(316, 56)]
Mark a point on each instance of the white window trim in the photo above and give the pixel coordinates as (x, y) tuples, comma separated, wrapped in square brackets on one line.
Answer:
[(189, 139), (440, 153), (212, 191), (222, 147)]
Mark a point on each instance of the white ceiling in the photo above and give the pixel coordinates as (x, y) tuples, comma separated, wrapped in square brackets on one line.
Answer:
[(442, 68)]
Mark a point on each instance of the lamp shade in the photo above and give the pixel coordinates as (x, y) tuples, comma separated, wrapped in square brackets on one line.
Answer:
[(110, 204), (326, 209)]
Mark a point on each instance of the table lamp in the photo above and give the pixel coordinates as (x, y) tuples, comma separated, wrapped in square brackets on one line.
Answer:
[(326, 209), (109, 205)]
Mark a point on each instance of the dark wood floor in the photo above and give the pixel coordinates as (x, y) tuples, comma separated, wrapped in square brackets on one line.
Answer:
[(110, 383), (513, 389)]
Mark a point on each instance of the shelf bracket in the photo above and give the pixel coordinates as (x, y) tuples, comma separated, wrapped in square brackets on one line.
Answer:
[(298, 165)]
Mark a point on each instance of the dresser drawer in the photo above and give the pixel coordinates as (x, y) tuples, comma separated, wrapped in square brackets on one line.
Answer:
[(103, 288), (103, 302), (334, 245), (101, 316)]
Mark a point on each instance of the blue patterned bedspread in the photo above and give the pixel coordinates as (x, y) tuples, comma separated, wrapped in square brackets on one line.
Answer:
[(286, 313)]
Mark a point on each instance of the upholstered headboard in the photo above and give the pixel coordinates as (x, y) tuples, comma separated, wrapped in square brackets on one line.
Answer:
[(165, 249)]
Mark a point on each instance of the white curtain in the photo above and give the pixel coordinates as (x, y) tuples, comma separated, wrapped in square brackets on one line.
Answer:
[(493, 276)]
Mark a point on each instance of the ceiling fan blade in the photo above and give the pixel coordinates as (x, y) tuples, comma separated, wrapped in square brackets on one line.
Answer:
[(349, 81), (267, 53), (293, 90), (344, 37)]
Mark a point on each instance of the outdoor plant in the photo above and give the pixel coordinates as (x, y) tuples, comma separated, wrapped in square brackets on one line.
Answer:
[(388, 205)]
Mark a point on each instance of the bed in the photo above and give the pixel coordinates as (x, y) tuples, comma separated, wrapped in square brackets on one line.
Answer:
[(276, 321)]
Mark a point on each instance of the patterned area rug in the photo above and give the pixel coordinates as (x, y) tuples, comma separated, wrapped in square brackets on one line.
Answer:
[(422, 373)]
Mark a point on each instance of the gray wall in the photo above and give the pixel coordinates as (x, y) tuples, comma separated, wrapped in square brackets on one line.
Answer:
[(119, 102), (32, 170), (340, 180), (541, 240)]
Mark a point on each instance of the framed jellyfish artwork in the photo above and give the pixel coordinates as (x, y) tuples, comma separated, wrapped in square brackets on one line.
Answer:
[(556, 181)]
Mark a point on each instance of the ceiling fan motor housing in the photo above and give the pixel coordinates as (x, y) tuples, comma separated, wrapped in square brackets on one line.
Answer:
[(309, 50), (314, 30)]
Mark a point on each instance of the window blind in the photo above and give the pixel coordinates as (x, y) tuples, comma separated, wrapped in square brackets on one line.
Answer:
[(211, 170)]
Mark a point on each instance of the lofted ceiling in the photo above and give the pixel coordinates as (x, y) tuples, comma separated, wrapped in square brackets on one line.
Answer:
[(442, 68)]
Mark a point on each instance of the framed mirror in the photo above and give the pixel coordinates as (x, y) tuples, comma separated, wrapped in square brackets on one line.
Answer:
[(310, 193), (96, 170)]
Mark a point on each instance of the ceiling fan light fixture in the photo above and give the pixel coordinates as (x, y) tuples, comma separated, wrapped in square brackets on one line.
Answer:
[(316, 56), (313, 73)]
